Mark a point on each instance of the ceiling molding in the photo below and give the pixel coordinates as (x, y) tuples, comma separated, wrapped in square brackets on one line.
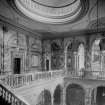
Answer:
[(85, 32), (84, 10), (13, 25)]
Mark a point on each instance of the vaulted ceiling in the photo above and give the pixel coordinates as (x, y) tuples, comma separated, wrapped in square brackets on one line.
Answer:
[(52, 18)]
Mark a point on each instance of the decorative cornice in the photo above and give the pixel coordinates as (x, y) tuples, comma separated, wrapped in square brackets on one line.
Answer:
[(54, 6), (13, 25), (83, 33)]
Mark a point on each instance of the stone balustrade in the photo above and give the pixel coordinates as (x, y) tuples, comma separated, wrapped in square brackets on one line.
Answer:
[(94, 75), (9, 97), (19, 80)]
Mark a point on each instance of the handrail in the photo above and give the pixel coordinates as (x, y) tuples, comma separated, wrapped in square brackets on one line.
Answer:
[(9, 96), (19, 80), (84, 74)]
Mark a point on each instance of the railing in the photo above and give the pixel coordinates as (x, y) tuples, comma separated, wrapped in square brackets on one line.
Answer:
[(9, 96), (96, 75), (16, 81), (19, 80)]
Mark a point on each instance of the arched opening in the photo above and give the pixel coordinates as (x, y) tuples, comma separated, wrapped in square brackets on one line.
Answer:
[(44, 98), (80, 59), (70, 57), (57, 95), (100, 96), (75, 95), (57, 59), (96, 57), (81, 52)]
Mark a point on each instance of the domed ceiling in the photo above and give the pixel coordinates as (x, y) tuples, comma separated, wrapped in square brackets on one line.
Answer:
[(55, 3), (51, 11)]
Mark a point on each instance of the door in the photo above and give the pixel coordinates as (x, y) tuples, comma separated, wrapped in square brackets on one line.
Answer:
[(17, 65), (47, 65), (100, 97)]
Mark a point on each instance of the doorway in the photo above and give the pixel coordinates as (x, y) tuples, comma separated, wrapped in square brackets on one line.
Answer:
[(17, 65), (75, 95), (47, 65), (100, 97)]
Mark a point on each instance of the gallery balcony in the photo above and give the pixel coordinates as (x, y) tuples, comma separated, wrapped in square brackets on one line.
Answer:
[(19, 80)]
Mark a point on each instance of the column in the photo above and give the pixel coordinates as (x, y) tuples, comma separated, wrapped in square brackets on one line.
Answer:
[(65, 52), (63, 96), (87, 74), (52, 100), (88, 96)]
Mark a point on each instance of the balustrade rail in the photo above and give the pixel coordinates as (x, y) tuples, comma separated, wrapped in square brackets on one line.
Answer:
[(96, 75), (19, 80), (9, 97)]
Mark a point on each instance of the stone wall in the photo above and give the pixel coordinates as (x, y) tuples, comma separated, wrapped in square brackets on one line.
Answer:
[(14, 44)]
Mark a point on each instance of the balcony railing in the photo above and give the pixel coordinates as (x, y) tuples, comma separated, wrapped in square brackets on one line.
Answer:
[(9, 97), (19, 80), (94, 75)]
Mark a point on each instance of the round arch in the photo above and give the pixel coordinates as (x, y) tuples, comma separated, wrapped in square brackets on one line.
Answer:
[(95, 56), (67, 44), (75, 94), (44, 98), (98, 95), (57, 95), (81, 56), (57, 58)]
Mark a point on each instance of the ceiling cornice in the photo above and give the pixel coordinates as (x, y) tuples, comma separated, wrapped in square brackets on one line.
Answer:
[(16, 26), (85, 32)]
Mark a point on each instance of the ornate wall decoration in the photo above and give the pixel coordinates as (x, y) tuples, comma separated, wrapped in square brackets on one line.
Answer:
[(57, 57), (10, 39), (21, 41), (46, 46), (35, 44), (35, 60), (67, 41), (57, 62)]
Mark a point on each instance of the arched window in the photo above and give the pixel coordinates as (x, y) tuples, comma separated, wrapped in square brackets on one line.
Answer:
[(57, 60), (96, 56), (75, 95), (70, 57), (81, 57), (44, 98), (57, 95)]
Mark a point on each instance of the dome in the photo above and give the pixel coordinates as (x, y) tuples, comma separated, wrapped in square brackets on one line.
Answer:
[(50, 11), (55, 3)]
